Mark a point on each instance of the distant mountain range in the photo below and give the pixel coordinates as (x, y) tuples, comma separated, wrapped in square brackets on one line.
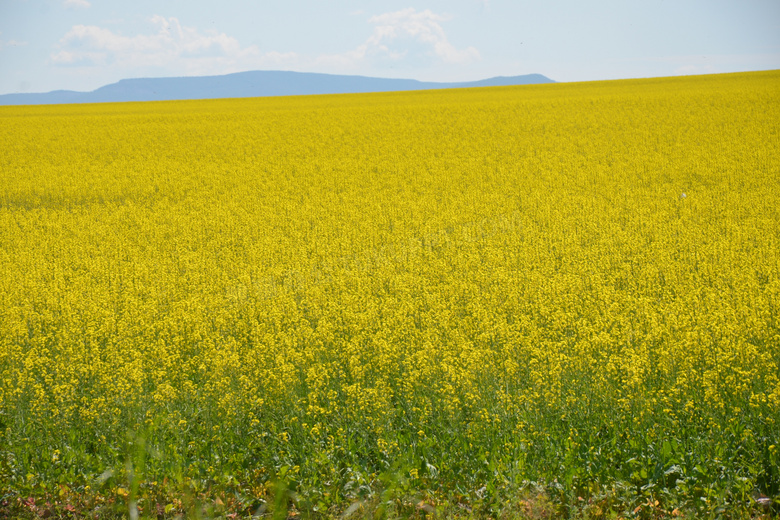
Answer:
[(249, 84)]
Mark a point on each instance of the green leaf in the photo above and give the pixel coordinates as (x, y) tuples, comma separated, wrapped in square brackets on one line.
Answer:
[(666, 450)]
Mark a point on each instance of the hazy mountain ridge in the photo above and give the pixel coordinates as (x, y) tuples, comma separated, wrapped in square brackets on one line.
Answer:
[(249, 84)]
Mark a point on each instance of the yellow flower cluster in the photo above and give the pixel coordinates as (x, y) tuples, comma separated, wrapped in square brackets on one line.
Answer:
[(544, 273)]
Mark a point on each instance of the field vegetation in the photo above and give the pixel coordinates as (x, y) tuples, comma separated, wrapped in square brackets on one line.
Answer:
[(523, 302)]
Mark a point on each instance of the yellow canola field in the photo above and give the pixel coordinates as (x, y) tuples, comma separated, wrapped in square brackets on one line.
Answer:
[(571, 281)]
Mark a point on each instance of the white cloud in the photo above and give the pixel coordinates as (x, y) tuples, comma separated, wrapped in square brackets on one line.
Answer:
[(174, 47), (75, 4), (393, 32), (11, 43), (171, 48)]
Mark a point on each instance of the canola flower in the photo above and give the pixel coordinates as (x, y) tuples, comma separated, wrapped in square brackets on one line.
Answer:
[(573, 285)]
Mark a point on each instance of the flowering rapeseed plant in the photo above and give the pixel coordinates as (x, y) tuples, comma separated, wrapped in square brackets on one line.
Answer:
[(447, 295)]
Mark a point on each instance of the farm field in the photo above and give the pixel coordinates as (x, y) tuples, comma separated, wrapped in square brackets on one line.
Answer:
[(521, 302)]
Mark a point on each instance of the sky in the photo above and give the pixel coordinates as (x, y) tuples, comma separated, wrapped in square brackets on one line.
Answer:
[(84, 44)]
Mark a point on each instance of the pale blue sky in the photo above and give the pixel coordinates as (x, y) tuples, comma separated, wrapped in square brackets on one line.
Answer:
[(84, 44)]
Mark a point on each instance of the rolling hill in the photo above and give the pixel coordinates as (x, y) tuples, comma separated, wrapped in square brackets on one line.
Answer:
[(248, 84)]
